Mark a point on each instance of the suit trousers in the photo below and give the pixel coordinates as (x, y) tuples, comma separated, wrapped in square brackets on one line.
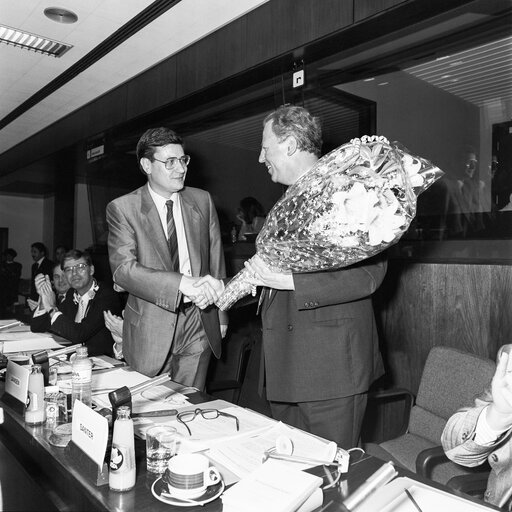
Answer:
[(337, 419), (188, 359)]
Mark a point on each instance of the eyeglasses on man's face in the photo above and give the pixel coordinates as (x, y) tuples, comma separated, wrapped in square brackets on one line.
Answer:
[(171, 162), (208, 414), (80, 268)]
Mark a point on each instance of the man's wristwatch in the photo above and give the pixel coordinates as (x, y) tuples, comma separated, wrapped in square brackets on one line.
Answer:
[(52, 311)]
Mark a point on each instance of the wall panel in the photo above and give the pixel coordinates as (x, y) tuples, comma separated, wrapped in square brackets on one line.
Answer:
[(212, 59), (422, 305), (151, 89)]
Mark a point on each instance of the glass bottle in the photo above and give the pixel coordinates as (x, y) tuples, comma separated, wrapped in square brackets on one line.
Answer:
[(121, 475), (35, 412)]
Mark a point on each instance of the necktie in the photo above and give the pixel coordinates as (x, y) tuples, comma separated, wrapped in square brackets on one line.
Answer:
[(172, 238), (81, 311)]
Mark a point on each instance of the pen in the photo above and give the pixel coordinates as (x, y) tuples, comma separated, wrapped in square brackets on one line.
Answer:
[(12, 324), (413, 500)]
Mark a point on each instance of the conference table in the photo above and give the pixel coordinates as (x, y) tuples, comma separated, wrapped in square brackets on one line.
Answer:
[(51, 474)]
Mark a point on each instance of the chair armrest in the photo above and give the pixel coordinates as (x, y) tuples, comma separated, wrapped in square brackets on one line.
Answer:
[(473, 484), (394, 394), (428, 458)]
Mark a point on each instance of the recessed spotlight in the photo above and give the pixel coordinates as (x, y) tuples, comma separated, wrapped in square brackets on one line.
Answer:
[(443, 58), (456, 63), (60, 15), (446, 76), (368, 79), (383, 83)]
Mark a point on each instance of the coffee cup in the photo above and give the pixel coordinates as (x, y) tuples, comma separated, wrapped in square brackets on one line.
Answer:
[(188, 475)]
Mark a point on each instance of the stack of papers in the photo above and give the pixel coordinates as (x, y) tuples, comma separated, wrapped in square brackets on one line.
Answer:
[(27, 342), (273, 487), (243, 456)]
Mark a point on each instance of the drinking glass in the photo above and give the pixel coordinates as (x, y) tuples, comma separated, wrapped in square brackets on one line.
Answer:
[(162, 443)]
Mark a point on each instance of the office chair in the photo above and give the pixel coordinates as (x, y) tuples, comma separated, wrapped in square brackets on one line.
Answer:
[(237, 382), (451, 379)]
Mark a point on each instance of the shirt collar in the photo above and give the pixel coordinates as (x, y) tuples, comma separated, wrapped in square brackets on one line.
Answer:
[(87, 296), (160, 200)]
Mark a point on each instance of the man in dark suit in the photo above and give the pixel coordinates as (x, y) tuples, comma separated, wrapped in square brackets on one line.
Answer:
[(320, 341), (79, 318), (60, 282), (162, 238), (41, 265)]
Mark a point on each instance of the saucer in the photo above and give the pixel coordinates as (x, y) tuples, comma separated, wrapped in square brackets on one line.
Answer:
[(211, 493)]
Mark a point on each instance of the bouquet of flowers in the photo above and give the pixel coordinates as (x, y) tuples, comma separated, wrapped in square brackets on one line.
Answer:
[(355, 202)]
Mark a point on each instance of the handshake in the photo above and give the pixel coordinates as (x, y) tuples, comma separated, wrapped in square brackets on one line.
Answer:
[(202, 291)]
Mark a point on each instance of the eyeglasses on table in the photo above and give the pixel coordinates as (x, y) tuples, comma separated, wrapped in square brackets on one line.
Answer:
[(208, 414)]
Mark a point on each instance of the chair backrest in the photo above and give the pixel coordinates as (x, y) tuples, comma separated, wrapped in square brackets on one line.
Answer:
[(451, 379)]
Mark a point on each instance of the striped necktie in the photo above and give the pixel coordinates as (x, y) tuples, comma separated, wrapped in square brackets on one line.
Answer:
[(172, 238)]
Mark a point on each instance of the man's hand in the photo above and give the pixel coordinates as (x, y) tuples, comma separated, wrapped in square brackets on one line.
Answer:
[(260, 274), (39, 280), (499, 413), (114, 324), (47, 297), (202, 291), (32, 304)]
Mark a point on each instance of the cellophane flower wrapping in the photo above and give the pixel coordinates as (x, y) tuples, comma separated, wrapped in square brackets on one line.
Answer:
[(355, 202)]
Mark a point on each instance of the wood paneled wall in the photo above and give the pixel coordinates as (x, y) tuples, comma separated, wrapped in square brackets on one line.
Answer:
[(421, 305)]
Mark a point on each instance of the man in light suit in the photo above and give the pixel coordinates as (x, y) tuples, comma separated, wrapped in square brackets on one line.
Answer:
[(484, 432), (158, 252), (320, 341)]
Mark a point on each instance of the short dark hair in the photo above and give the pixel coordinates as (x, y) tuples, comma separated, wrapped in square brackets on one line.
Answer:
[(154, 138), (298, 122), (76, 254), (251, 208), (11, 252), (40, 247)]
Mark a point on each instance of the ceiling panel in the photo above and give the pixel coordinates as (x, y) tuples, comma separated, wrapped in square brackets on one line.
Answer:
[(24, 73)]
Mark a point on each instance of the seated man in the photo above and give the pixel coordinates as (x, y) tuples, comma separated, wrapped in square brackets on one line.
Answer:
[(484, 432), (60, 283), (79, 318)]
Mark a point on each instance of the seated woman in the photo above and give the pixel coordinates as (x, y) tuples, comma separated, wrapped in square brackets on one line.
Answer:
[(484, 432), (251, 215)]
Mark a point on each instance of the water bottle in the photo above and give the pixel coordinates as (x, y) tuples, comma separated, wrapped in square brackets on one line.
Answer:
[(81, 380), (35, 412), (121, 474)]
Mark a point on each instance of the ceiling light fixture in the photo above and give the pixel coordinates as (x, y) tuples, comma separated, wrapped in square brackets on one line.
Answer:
[(60, 15), (28, 41)]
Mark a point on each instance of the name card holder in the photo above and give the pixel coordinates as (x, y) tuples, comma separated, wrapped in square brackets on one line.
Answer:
[(88, 445), (98, 475), (16, 387)]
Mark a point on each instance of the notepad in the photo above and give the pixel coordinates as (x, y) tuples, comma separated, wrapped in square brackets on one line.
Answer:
[(273, 487)]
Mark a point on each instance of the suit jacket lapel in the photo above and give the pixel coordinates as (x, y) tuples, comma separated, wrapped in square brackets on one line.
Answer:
[(191, 222), (152, 225)]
